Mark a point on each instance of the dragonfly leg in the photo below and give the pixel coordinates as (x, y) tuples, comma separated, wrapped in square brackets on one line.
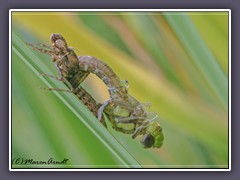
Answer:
[(101, 109), (56, 89), (51, 76), (39, 44), (39, 49), (129, 119), (60, 79), (59, 71), (138, 131), (44, 45), (121, 103), (63, 78)]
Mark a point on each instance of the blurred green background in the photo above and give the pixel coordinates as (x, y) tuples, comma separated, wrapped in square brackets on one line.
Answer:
[(177, 61)]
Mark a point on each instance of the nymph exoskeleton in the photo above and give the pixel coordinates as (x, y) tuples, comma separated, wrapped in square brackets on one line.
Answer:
[(67, 65)]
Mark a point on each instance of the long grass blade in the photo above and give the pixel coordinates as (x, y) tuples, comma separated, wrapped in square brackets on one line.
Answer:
[(201, 55), (84, 115)]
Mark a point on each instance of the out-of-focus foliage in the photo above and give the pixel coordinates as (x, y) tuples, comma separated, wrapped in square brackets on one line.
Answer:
[(176, 61)]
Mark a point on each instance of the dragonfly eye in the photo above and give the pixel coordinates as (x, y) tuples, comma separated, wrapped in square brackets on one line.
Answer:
[(147, 141)]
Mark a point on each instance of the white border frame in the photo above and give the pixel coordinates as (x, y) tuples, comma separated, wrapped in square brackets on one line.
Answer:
[(123, 10)]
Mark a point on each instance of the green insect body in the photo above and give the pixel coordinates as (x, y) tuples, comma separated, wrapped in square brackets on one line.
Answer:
[(154, 129), (120, 112)]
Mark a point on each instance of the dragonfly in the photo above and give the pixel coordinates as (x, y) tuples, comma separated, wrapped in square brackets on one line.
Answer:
[(125, 113)]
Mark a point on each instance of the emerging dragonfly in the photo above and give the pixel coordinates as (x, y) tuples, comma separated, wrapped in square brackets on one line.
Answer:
[(125, 113)]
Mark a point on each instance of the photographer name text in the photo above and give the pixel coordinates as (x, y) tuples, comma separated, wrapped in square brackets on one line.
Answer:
[(30, 161)]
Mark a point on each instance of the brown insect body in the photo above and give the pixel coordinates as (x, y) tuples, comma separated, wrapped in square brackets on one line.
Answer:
[(93, 65), (68, 71), (88, 101)]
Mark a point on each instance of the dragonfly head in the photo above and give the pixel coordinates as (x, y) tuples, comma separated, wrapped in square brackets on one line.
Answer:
[(153, 136), (58, 42)]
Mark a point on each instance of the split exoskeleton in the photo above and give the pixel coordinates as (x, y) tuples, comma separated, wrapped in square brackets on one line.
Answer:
[(125, 113)]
